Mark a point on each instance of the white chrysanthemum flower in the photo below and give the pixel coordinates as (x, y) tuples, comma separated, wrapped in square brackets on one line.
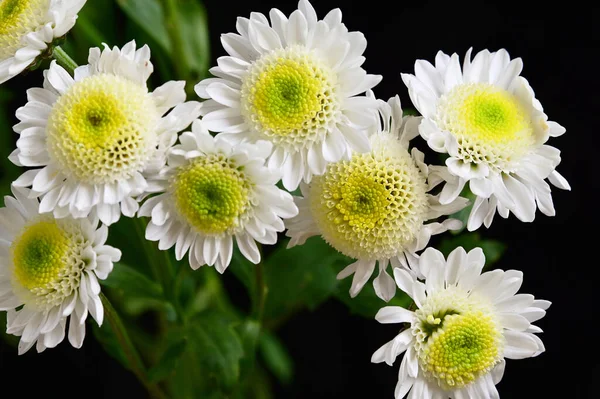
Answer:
[(96, 136), (295, 83), (486, 117), (464, 326), (28, 26), (213, 192), (49, 271), (373, 207)]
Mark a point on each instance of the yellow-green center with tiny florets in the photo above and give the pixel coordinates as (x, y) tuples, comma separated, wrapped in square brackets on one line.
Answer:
[(372, 206), (103, 129), (17, 19), (458, 338), (490, 124), (289, 97), (39, 254), (47, 262), (211, 194)]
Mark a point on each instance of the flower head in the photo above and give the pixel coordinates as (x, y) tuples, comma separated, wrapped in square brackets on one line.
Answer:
[(98, 135), (295, 83), (486, 117), (212, 192), (49, 273), (464, 326), (374, 205), (28, 26)]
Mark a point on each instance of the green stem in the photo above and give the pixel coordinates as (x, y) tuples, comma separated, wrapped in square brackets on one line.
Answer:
[(177, 53), (134, 359), (63, 59)]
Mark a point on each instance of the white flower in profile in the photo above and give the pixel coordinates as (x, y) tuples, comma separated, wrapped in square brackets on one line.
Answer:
[(28, 26), (464, 325), (486, 117), (49, 271), (212, 192), (296, 83), (97, 135), (373, 206)]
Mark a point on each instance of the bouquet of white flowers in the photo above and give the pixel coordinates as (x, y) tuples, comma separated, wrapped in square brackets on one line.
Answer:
[(284, 141)]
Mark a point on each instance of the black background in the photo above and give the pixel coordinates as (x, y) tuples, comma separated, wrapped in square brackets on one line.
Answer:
[(332, 349)]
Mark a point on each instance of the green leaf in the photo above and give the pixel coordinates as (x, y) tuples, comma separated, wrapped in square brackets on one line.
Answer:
[(97, 23), (367, 303), (210, 365), (276, 358), (300, 277), (249, 332), (136, 292), (492, 249), (134, 283), (168, 361), (148, 14), (192, 23)]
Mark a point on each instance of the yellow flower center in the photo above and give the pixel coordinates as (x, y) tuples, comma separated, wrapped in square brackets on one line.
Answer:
[(18, 18), (289, 97), (102, 129), (211, 194), (373, 205), (47, 262), (458, 338), (490, 124)]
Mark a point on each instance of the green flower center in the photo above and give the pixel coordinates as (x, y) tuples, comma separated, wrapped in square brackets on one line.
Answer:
[(457, 338), (462, 350), (47, 262), (18, 18), (288, 96), (373, 205), (211, 194), (102, 129), (38, 255), (490, 124)]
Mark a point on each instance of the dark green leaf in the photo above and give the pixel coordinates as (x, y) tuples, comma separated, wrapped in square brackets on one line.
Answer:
[(148, 14), (168, 361), (276, 358), (193, 25), (410, 111), (300, 277), (210, 365), (132, 282), (249, 332)]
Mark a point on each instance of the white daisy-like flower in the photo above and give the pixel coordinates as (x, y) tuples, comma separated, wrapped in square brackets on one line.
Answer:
[(295, 83), (373, 207), (486, 117), (213, 192), (464, 326), (49, 271), (96, 136), (28, 26)]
